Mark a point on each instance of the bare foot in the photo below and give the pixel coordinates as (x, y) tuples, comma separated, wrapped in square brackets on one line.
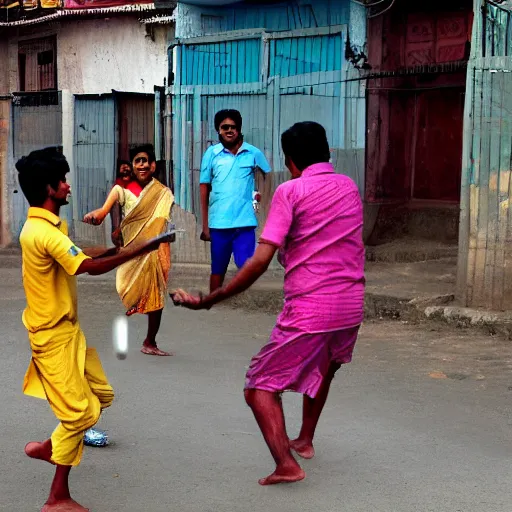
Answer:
[(303, 449), (64, 506), (284, 476), (40, 451), (151, 350)]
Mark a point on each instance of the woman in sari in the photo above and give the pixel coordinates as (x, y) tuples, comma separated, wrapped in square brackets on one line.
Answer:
[(142, 283)]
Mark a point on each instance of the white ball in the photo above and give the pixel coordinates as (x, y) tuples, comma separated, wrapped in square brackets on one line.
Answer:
[(120, 337)]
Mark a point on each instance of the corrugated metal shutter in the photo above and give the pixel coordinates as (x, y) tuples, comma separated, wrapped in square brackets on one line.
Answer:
[(299, 55), (37, 123), (94, 157)]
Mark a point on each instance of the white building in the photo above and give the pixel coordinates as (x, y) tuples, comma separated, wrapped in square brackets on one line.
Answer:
[(84, 80)]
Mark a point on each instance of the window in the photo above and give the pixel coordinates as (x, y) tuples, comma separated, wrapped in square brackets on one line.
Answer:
[(37, 65)]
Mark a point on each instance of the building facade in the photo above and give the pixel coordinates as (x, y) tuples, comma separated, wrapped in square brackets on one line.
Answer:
[(82, 79)]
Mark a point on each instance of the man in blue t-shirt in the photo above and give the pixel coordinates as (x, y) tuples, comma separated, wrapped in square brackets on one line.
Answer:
[(227, 184)]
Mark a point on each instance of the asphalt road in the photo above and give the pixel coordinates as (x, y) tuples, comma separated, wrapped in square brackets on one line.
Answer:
[(420, 421)]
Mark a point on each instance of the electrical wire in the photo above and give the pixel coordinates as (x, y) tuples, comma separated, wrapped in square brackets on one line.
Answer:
[(383, 11), (368, 4)]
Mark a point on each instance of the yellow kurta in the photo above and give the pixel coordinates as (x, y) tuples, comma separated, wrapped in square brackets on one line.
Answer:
[(62, 370)]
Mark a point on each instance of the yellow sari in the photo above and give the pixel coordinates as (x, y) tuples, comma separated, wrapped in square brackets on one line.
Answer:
[(142, 282)]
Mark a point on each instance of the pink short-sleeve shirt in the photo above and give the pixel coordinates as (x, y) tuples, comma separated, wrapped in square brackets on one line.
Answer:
[(317, 223)]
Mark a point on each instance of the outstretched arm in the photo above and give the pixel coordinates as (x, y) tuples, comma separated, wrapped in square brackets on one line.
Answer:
[(102, 265), (96, 217), (274, 235), (100, 252), (245, 277)]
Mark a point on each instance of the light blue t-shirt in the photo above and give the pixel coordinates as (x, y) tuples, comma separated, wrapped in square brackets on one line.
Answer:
[(232, 180)]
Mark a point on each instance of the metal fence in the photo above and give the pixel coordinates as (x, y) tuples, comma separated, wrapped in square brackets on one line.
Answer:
[(299, 77), (485, 259), (485, 241)]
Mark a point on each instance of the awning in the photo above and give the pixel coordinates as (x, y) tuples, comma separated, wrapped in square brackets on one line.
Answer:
[(77, 13)]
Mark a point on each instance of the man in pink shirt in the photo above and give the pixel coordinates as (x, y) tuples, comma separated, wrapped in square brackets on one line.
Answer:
[(316, 223)]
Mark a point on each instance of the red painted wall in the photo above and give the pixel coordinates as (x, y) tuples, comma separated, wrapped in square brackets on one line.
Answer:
[(414, 137)]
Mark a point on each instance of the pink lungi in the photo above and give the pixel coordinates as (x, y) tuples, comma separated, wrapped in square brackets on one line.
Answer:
[(316, 222), (299, 361)]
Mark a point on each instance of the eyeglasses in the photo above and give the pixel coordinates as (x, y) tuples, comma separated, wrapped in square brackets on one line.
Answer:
[(226, 127)]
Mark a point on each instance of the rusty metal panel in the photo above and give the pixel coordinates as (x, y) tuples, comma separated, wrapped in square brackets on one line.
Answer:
[(485, 255), (405, 117), (136, 121), (37, 123)]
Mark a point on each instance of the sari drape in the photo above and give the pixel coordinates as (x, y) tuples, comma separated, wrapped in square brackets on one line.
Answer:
[(142, 282)]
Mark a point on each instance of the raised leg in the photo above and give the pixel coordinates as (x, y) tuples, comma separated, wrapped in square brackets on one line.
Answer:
[(149, 345), (40, 451), (312, 409), (268, 411)]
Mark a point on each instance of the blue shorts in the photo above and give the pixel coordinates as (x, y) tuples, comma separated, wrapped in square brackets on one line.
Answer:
[(241, 242)]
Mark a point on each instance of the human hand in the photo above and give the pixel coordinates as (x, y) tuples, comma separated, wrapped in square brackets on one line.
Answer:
[(205, 235), (182, 298), (165, 238), (95, 217)]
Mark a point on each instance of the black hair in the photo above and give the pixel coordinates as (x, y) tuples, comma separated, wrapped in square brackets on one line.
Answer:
[(119, 164), (39, 169), (225, 114), (306, 144), (144, 148)]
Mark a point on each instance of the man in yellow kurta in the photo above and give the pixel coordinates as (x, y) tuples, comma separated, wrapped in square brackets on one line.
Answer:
[(62, 369)]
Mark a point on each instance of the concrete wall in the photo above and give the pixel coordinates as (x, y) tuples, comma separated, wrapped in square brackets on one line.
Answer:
[(111, 54), (4, 77), (188, 21), (4, 142), (5, 110), (96, 56)]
